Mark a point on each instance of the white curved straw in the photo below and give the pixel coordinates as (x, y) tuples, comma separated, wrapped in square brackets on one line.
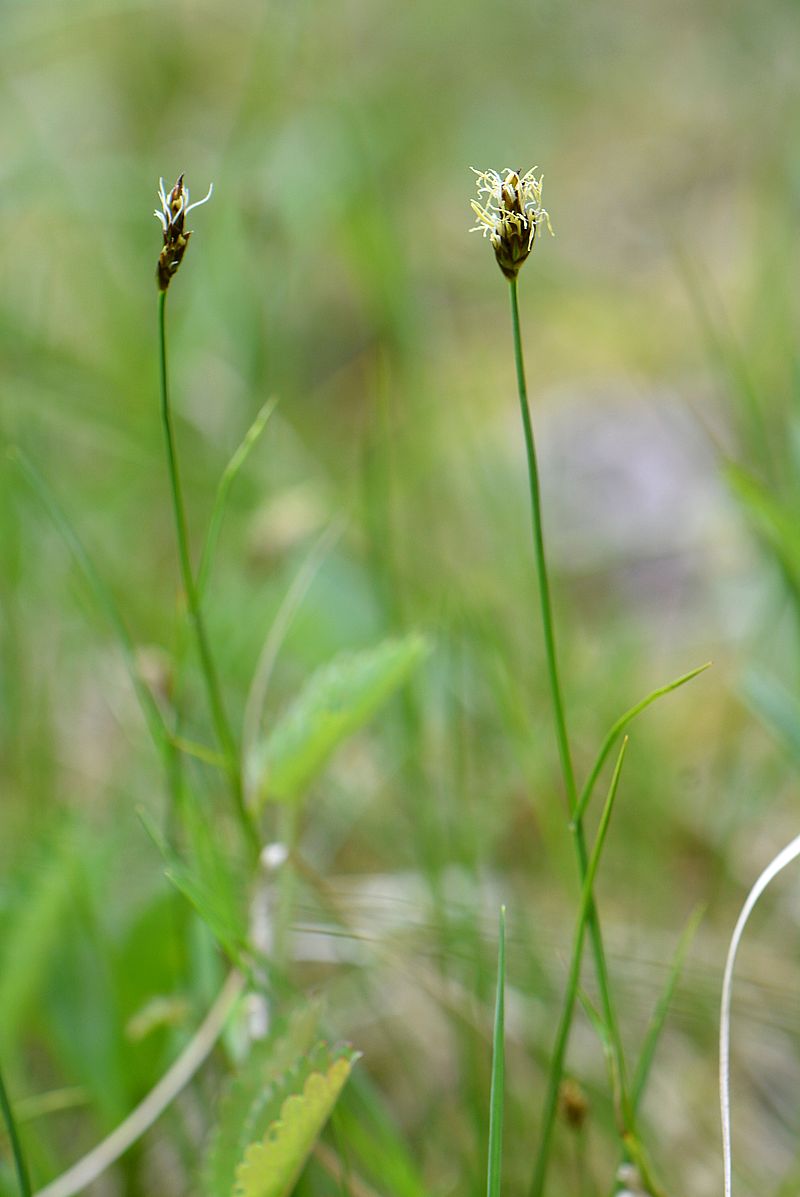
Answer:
[(101, 1157), (789, 853)]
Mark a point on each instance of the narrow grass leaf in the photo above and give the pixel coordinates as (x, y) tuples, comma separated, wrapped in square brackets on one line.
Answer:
[(375, 1141), (102, 595), (337, 701), (612, 1049), (772, 519), (20, 1165), (618, 728), (656, 1025), (633, 1146), (498, 1069), (206, 881), (227, 480)]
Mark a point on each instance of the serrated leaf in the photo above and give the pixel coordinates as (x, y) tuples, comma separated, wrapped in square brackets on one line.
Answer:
[(338, 700), (271, 1168), (276, 1067)]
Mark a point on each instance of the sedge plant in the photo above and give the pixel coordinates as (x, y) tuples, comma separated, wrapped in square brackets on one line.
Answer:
[(175, 207), (269, 1122), (509, 212), (20, 1163)]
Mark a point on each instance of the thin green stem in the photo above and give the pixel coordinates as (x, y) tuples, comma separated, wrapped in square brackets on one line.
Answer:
[(221, 725), (571, 992), (497, 1096), (619, 726), (16, 1147), (562, 736), (541, 567)]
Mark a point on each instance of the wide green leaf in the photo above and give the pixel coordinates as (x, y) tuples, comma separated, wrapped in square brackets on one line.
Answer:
[(337, 701)]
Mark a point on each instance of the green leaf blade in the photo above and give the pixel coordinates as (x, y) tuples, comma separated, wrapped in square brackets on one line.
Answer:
[(275, 1067), (338, 701)]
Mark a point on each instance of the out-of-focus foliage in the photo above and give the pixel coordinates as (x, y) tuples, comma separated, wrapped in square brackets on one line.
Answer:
[(333, 271)]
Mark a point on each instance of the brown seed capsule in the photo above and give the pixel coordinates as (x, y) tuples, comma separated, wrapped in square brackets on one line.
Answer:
[(573, 1104), (174, 208)]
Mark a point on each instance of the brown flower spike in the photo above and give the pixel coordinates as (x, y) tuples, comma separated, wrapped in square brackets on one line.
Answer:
[(174, 208), (509, 214)]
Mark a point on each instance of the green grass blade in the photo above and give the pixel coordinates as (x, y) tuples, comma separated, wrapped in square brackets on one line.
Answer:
[(602, 1032), (207, 880), (16, 1147), (633, 1146), (200, 752), (498, 1069), (102, 595), (571, 993), (659, 1016), (376, 1143), (619, 727), (227, 480)]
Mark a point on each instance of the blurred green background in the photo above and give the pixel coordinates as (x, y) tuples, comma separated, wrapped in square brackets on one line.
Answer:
[(333, 270)]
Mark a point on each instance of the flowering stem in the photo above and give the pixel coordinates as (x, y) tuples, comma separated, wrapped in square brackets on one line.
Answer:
[(218, 715), (567, 770), (562, 738), (573, 984)]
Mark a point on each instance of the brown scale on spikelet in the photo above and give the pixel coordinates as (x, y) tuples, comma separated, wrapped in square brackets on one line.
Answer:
[(175, 207)]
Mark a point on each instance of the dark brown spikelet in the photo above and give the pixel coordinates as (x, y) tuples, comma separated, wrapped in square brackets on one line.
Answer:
[(174, 208)]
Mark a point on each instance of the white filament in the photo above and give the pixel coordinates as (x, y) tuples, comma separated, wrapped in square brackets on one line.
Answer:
[(789, 853), (106, 1153)]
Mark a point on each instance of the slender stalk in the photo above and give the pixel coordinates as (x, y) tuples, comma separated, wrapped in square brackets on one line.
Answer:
[(620, 725), (496, 1101), (562, 737), (221, 725), (541, 568), (573, 983), (16, 1147)]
